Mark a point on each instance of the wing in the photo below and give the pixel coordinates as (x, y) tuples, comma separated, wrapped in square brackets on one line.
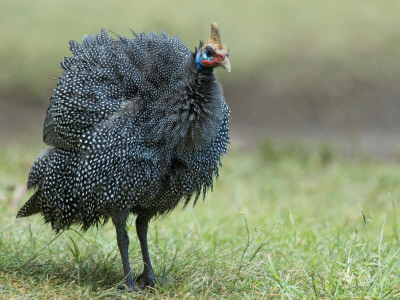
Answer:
[(106, 76)]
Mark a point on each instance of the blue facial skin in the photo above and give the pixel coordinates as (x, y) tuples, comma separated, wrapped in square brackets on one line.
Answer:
[(199, 59)]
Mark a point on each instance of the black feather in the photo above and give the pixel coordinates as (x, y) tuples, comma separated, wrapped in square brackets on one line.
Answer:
[(132, 125)]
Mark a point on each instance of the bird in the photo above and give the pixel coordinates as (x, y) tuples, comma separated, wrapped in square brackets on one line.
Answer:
[(134, 126)]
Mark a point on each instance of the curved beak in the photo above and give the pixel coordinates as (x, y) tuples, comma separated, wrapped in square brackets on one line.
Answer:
[(226, 63)]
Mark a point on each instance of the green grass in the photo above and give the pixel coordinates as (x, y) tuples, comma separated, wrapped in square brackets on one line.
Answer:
[(286, 221)]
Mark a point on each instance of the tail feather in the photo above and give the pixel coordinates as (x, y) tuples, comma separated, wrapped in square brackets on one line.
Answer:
[(31, 207), (39, 168)]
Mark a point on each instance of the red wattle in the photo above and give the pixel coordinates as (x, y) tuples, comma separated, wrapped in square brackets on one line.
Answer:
[(215, 61)]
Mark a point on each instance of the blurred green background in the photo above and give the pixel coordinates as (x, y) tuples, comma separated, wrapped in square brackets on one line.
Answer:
[(303, 73), (305, 70)]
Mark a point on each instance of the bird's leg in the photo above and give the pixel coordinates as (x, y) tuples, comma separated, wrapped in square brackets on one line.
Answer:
[(148, 277), (123, 245)]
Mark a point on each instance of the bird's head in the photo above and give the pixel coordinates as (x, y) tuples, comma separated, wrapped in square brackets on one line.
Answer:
[(213, 53)]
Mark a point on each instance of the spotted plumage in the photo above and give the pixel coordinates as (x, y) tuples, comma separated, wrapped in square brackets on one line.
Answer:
[(134, 126)]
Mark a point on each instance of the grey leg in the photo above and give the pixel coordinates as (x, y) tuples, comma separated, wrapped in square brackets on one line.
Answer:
[(123, 245), (148, 277)]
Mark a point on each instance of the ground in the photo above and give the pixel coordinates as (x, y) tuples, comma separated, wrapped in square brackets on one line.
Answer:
[(281, 222)]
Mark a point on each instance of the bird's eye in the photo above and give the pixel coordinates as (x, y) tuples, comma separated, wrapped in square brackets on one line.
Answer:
[(209, 51)]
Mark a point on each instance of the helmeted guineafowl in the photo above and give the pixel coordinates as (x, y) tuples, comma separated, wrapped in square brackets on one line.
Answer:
[(135, 126)]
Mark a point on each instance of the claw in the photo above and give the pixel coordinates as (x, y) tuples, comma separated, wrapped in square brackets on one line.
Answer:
[(128, 288), (147, 281)]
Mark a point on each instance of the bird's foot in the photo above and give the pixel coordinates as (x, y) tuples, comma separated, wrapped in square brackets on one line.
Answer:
[(148, 280), (128, 287), (132, 288)]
